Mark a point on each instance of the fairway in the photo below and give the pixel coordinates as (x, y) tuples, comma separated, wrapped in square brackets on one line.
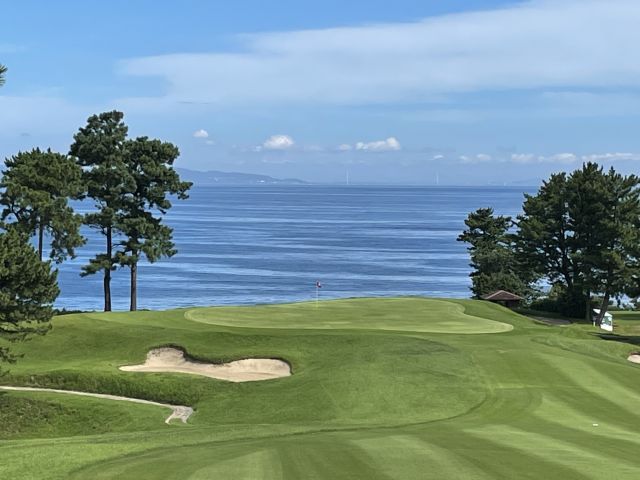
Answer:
[(402, 388)]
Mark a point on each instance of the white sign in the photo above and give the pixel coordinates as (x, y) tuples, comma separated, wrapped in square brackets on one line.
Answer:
[(607, 320)]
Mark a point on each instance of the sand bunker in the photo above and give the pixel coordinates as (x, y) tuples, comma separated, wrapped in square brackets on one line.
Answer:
[(250, 370), (634, 357)]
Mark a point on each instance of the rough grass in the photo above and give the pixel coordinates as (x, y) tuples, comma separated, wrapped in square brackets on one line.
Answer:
[(395, 392), (25, 415)]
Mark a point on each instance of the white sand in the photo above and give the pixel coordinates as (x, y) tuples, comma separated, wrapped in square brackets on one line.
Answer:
[(634, 357), (249, 370), (177, 411)]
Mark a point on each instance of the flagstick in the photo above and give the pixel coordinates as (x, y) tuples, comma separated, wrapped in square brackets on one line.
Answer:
[(317, 294)]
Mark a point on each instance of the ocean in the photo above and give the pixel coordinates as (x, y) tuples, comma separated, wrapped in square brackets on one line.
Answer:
[(269, 244)]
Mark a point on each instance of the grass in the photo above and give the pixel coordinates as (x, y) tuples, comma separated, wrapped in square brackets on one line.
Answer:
[(406, 314), (25, 415), (382, 388)]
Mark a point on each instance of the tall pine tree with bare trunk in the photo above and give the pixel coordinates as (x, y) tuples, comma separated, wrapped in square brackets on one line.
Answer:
[(150, 163), (99, 149)]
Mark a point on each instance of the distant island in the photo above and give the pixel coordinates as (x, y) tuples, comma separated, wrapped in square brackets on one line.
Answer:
[(215, 177)]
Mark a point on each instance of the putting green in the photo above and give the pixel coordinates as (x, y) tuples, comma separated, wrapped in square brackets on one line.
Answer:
[(404, 314), (373, 395)]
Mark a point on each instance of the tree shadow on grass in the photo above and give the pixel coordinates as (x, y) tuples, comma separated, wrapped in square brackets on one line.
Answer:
[(612, 337)]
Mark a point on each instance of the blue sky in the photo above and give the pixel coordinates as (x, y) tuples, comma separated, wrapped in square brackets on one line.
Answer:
[(470, 92)]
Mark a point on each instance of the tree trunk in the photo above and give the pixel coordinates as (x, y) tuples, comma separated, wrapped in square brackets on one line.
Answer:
[(603, 308), (564, 262), (107, 274), (40, 238), (134, 287), (587, 314)]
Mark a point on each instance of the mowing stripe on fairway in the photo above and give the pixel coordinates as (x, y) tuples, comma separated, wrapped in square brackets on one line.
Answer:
[(370, 399)]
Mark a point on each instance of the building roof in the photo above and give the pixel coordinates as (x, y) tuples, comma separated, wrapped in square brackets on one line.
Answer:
[(501, 296)]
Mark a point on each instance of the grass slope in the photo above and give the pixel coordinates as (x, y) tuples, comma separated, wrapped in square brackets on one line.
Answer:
[(382, 388)]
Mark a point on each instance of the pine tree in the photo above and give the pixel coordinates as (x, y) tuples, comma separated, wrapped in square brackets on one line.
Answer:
[(36, 188), (581, 233), (99, 149), (494, 264), (605, 212), (545, 244), (150, 164), (28, 289)]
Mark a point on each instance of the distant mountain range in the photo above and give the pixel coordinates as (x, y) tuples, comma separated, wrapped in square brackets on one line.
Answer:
[(215, 177)]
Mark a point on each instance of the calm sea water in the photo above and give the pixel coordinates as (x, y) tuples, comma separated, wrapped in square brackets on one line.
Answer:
[(264, 244)]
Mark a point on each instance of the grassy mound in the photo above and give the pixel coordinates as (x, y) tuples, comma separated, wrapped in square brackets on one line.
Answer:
[(381, 388)]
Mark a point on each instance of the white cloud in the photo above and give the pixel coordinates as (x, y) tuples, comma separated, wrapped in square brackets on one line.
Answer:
[(390, 144), (610, 157), (278, 142), (550, 44), (478, 158), (530, 158), (201, 134), (210, 142), (557, 158), (526, 158), (344, 147), (560, 158), (523, 157)]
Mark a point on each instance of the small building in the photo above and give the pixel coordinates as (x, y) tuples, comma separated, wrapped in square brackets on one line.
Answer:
[(507, 299)]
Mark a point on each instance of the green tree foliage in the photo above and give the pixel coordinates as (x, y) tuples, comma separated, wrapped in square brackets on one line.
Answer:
[(99, 148), (150, 164), (544, 237), (581, 233), (605, 212), (28, 289), (36, 188), (545, 245), (495, 266)]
